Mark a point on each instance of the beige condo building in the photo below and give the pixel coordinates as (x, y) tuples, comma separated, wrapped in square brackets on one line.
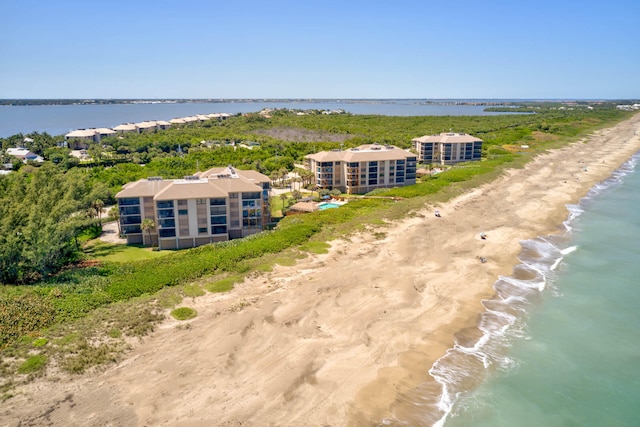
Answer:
[(363, 169), (212, 206), (448, 148)]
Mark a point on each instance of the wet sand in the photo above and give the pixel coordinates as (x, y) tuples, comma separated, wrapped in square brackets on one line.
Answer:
[(338, 339)]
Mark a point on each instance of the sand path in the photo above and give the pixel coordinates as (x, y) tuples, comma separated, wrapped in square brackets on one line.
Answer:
[(337, 339)]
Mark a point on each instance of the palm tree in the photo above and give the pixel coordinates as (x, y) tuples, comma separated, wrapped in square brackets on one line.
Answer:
[(114, 215), (98, 206), (283, 197), (148, 225)]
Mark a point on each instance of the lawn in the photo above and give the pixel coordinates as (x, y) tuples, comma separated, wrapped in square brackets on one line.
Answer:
[(114, 252)]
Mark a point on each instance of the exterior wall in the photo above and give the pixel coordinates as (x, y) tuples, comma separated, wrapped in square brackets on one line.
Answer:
[(185, 223), (449, 152)]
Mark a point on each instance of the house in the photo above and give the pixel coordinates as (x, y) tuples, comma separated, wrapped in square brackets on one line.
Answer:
[(163, 124), (80, 139), (24, 154), (126, 128), (363, 169), (146, 127), (213, 206), (103, 133), (448, 148)]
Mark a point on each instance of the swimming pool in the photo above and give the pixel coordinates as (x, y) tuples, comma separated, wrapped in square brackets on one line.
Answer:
[(328, 205)]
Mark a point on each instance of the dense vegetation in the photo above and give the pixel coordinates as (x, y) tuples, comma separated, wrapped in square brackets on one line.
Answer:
[(46, 211)]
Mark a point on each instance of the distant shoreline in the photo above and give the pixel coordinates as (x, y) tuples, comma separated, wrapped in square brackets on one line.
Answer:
[(419, 101)]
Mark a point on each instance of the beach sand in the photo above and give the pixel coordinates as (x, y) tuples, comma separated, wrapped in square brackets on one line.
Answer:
[(340, 338)]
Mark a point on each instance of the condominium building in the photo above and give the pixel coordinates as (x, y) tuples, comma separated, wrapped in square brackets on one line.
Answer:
[(448, 148), (212, 206), (363, 169)]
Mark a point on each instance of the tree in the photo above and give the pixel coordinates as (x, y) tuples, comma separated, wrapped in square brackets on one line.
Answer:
[(283, 197), (114, 215), (148, 225), (98, 207), (283, 173)]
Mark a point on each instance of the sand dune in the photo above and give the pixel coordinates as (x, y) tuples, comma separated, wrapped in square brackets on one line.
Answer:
[(338, 339)]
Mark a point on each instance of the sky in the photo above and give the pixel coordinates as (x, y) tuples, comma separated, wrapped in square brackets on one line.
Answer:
[(544, 49)]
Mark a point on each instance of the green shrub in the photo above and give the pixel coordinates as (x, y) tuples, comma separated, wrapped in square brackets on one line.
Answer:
[(192, 290), (184, 313), (40, 342), (224, 285), (33, 364)]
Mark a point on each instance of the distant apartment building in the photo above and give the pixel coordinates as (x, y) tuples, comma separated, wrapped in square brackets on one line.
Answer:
[(448, 148), (80, 139), (213, 206), (363, 169)]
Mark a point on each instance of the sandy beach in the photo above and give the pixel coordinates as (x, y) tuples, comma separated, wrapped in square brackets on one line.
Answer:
[(337, 339)]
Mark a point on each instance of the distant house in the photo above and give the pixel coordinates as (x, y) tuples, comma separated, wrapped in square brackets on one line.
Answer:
[(163, 125), (126, 128), (24, 154), (213, 206), (448, 148), (103, 133), (80, 139), (146, 127), (363, 169)]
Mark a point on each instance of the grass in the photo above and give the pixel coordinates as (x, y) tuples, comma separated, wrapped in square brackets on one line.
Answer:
[(317, 248), (33, 364), (184, 313), (113, 252), (225, 284)]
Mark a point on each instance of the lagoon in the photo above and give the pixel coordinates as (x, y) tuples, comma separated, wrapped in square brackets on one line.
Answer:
[(61, 119)]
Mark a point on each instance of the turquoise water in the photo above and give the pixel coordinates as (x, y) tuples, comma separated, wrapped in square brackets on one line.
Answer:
[(327, 205), (561, 346)]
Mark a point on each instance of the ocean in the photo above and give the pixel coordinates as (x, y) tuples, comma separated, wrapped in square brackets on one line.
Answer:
[(61, 119), (560, 343)]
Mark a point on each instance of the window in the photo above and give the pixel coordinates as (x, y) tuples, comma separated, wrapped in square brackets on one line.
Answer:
[(129, 201), (201, 201), (219, 229), (183, 211), (217, 202), (163, 204), (167, 232), (202, 230), (182, 203)]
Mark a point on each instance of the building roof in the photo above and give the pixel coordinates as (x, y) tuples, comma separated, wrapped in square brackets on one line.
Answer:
[(305, 207), (190, 189), (363, 153), (105, 131), (448, 137), (177, 121), (250, 175), (215, 182), (163, 123), (146, 125), (81, 133), (143, 188), (125, 127)]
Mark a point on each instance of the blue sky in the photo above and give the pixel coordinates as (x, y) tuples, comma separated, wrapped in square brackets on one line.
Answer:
[(320, 49)]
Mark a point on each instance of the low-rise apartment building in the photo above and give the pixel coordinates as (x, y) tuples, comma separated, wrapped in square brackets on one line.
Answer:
[(212, 206), (363, 169), (448, 148)]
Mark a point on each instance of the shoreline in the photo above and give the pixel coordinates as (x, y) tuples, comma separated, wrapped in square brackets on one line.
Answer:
[(342, 338)]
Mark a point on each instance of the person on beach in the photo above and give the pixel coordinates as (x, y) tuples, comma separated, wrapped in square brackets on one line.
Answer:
[(437, 213), (483, 236)]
